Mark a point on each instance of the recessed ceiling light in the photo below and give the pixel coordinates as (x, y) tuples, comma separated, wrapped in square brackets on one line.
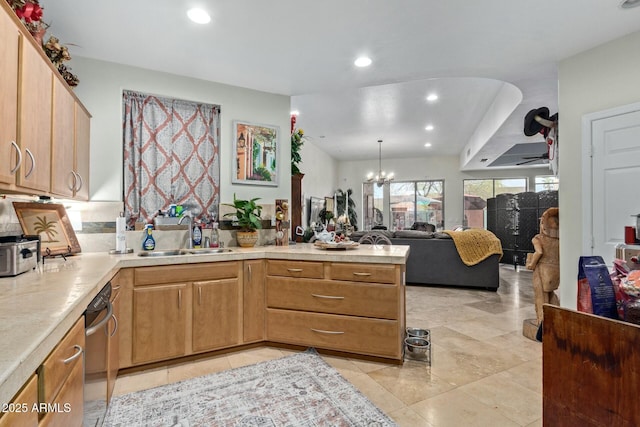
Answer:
[(199, 16), (428, 144), (432, 97), (429, 127), (628, 4), (363, 61), (295, 113)]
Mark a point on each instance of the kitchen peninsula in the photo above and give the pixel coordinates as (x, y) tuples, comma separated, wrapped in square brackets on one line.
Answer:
[(39, 307)]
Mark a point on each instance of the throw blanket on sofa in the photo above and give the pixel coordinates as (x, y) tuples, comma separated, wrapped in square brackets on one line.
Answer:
[(475, 245)]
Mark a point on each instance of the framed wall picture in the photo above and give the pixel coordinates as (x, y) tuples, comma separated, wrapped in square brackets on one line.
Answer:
[(51, 223), (255, 153), (315, 206)]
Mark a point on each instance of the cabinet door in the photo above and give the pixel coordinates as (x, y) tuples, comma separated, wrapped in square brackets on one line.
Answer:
[(159, 321), (254, 300), (216, 314), (113, 346), (69, 403), (20, 413), (63, 181), (35, 120), (82, 128), (9, 36)]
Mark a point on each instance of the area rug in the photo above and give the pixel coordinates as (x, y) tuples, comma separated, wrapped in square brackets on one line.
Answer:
[(301, 390)]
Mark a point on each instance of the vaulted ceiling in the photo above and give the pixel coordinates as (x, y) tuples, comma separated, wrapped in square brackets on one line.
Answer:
[(488, 61)]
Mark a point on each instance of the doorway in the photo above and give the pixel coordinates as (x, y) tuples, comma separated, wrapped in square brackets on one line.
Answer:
[(610, 170)]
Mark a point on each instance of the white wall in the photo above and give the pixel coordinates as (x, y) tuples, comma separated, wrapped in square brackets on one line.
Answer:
[(100, 90), (320, 174), (352, 174), (594, 80)]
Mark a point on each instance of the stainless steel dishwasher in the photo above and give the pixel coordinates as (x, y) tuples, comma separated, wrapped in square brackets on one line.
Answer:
[(101, 326)]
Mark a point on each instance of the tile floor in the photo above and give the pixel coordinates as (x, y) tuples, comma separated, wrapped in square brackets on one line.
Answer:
[(484, 372)]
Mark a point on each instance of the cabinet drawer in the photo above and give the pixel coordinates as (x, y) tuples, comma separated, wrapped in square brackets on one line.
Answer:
[(69, 403), (363, 272), (343, 333), (53, 373), (181, 273), (357, 299), (22, 413), (306, 269)]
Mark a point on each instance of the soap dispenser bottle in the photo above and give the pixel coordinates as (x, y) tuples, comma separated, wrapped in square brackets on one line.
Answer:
[(148, 242), (214, 242), (197, 235)]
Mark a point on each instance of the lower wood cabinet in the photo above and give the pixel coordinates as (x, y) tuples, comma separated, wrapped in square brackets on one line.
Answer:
[(20, 411), (216, 314), (178, 310), (159, 322), (253, 312), (162, 319), (61, 380)]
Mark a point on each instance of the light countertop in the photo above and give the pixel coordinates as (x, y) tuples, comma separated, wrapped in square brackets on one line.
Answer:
[(37, 308)]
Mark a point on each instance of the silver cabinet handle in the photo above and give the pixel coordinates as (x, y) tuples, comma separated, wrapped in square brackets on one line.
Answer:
[(320, 331), (199, 295), (249, 267), (81, 181), (75, 181), (179, 298), (115, 325), (326, 296), (19, 162), (92, 330), (33, 163), (294, 270), (75, 356), (355, 273)]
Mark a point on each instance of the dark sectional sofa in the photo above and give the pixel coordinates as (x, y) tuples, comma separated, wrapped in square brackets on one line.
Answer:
[(434, 260)]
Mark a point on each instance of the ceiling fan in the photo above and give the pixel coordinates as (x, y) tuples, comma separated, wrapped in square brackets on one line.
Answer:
[(543, 156)]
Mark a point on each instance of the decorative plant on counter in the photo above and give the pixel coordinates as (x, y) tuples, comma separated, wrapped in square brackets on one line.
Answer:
[(248, 215)]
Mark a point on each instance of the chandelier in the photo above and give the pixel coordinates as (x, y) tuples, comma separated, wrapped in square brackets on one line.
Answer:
[(382, 176)]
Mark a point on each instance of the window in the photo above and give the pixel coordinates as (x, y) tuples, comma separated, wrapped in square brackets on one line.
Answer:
[(478, 191), (408, 202), (171, 155), (545, 183)]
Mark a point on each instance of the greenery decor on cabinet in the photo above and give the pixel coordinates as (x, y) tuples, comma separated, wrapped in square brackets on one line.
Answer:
[(297, 141), (31, 15)]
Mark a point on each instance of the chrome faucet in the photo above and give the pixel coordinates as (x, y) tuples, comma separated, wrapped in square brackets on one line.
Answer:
[(188, 215)]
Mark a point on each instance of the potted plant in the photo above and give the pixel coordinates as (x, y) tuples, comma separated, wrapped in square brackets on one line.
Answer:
[(248, 215)]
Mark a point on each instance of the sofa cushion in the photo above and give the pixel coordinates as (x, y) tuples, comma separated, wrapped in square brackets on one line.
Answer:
[(413, 234), (441, 235), (423, 226)]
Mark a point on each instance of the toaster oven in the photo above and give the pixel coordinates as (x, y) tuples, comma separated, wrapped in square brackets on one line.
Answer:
[(18, 254)]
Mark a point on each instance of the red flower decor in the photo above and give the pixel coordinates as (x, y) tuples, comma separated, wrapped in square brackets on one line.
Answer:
[(30, 12)]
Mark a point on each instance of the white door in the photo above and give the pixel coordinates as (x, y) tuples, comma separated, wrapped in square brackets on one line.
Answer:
[(615, 179)]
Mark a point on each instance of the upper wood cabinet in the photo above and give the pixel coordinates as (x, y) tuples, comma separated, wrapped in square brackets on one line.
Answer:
[(69, 145), (9, 151), (63, 180), (44, 129), (34, 136), (82, 140)]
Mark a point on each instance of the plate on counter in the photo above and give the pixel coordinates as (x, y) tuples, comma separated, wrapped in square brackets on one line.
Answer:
[(336, 245)]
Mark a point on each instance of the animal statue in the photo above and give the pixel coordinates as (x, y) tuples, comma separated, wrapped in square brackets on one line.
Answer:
[(545, 262)]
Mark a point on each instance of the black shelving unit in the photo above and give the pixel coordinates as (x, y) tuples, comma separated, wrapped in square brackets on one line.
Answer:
[(515, 219)]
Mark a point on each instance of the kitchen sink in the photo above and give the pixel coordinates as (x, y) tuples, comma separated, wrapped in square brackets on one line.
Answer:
[(206, 251), (178, 252), (173, 252)]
